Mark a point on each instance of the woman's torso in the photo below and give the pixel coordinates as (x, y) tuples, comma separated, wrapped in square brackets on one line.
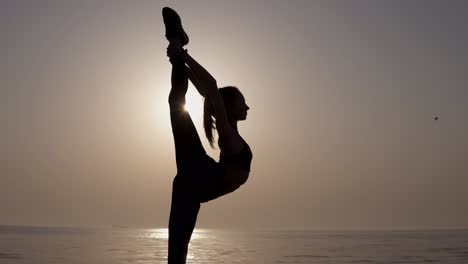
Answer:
[(237, 166)]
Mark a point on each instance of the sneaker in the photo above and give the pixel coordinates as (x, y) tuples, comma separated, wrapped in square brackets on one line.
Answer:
[(173, 26)]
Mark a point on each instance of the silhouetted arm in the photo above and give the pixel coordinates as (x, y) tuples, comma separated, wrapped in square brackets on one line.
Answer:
[(208, 87), (203, 77), (176, 53), (194, 80)]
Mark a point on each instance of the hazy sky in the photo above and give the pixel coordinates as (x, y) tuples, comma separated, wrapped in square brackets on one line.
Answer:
[(343, 96)]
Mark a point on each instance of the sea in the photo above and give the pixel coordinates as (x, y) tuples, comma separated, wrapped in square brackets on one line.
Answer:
[(49, 245)]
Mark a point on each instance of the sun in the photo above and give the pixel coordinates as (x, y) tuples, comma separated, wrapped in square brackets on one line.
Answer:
[(194, 105)]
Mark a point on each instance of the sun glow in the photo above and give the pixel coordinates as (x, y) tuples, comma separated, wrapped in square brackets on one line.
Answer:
[(163, 233), (194, 105)]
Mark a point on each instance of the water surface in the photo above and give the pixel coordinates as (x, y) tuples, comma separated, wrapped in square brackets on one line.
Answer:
[(50, 245)]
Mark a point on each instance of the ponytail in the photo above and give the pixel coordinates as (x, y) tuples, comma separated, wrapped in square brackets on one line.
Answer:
[(228, 94), (208, 121)]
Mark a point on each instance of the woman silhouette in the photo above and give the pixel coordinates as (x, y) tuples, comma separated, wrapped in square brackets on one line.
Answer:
[(200, 178)]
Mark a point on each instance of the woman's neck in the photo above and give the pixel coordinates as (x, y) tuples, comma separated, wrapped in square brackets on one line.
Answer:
[(233, 124)]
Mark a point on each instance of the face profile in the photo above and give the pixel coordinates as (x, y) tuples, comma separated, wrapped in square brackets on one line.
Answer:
[(241, 107), (234, 102), (237, 107)]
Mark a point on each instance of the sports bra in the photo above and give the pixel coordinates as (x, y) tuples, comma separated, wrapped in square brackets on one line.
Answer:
[(242, 159)]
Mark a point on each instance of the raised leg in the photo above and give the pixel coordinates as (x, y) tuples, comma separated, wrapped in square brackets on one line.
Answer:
[(188, 146), (185, 202)]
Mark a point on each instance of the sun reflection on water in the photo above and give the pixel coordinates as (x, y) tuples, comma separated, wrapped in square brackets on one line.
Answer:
[(163, 233), (157, 237)]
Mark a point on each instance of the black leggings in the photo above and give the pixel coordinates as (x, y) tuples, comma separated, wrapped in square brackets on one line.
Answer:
[(199, 177)]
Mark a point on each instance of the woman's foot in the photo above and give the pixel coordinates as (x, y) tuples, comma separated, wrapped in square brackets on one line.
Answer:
[(173, 24)]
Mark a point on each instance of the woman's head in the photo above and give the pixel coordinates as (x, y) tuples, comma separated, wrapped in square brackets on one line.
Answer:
[(236, 109), (234, 101)]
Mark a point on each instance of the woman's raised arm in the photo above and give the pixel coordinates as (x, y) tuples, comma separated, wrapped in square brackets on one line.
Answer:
[(206, 84)]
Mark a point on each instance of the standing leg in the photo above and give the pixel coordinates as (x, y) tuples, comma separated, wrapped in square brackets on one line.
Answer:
[(182, 219)]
